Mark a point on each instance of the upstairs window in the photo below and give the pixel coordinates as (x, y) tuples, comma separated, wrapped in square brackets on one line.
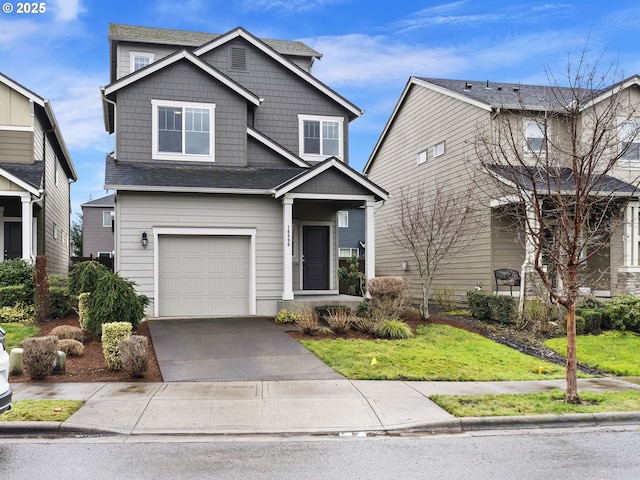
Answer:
[(421, 157), (140, 60), (320, 137), (630, 140), (438, 149), (536, 141), (183, 131)]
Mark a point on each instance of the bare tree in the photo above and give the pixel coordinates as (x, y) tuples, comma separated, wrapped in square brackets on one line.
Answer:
[(433, 224), (558, 183)]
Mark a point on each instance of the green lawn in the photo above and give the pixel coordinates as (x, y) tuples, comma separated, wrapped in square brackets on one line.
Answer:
[(17, 332), (616, 352), (41, 410), (438, 352)]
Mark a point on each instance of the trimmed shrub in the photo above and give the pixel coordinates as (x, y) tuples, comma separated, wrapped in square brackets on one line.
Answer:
[(394, 329), (39, 356), (68, 331), (19, 313), (389, 295), (287, 316), (112, 334), (71, 347), (17, 272), (61, 302), (12, 294), (133, 355), (624, 312), (114, 299), (339, 320), (85, 276), (445, 298), (592, 319), (497, 308), (83, 310), (580, 330), (308, 321)]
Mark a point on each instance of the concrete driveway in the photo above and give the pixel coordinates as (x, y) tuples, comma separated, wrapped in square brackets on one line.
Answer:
[(232, 349)]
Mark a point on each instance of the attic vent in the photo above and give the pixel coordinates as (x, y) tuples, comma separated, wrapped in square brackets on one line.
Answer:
[(516, 88), (238, 58), (467, 86)]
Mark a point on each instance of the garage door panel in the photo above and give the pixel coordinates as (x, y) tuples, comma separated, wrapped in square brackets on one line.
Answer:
[(204, 275)]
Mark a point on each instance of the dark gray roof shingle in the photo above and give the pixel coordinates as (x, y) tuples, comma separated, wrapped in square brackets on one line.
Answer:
[(30, 173), (106, 201)]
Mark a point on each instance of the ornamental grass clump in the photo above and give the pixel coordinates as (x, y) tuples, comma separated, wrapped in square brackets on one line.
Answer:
[(394, 329), (133, 355), (339, 320), (112, 334), (39, 356), (308, 321)]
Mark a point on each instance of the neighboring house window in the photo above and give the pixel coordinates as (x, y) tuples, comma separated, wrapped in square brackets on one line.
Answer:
[(140, 60), (55, 230), (630, 140), (348, 252), (64, 238), (320, 137), (56, 174), (106, 219), (421, 157), (343, 219), (438, 149), (183, 131), (104, 255), (535, 138)]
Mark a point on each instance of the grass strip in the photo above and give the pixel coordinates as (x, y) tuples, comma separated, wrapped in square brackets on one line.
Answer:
[(41, 410)]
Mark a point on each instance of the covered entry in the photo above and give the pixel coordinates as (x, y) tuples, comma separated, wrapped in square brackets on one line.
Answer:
[(205, 274)]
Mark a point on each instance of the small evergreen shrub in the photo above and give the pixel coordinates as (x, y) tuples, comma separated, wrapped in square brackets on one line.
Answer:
[(61, 302), (580, 325), (389, 295), (17, 272), (497, 308), (394, 329), (114, 299), (287, 316), (112, 334), (71, 347), (85, 276), (445, 298), (133, 355), (83, 310), (39, 356), (308, 321), (364, 308), (352, 276), (20, 313), (68, 331), (339, 320), (623, 311), (12, 294), (592, 319)]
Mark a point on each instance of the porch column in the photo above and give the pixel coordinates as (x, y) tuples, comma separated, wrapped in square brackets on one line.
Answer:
[(526, 273), (370, 243), (27, 223), (287, 251), (630, 246)]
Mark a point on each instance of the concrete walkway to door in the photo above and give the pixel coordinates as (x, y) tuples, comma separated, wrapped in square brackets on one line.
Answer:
[(232, 349)]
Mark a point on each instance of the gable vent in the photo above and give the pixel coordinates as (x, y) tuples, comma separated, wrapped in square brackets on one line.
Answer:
[(238, 58)]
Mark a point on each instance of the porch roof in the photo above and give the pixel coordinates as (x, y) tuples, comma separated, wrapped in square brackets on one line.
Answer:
[(559, 180), (30, 174)]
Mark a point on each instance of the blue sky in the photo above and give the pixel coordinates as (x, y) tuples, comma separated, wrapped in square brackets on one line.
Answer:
[(370, 49)]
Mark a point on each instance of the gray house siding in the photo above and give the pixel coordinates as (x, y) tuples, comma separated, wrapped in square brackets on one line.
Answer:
[(286, 96), (96, 238), (351, 236), (416, 128), (125, 49), (180, 82), (260, 156), (138, 212), (331, 182)]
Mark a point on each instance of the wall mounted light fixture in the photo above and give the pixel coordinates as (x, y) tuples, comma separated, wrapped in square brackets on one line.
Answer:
[(144, 240)]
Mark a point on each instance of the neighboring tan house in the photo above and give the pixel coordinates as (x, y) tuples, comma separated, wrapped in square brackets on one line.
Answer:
[(429, 140), (97, 227), (35, 175), (230, 166)]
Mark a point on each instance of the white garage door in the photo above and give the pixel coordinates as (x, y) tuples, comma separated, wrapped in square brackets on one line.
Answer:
[(203, 275)]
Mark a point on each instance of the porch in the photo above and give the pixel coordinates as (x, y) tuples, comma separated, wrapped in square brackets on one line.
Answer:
[(299, 302)]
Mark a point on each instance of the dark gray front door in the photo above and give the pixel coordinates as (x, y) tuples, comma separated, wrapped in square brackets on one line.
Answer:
[(315, 249), (12, 240)]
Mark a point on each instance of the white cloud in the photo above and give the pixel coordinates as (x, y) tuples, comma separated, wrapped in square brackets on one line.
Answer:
[(288, 6), (67, 10)]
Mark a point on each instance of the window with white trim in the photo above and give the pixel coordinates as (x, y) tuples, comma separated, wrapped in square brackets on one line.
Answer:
[(535, 140), (343, 219), (106, 218), (140, 60), (183, 130), (630, 140), (421, 157), (438, 149), (105, 255), (348, 252), (55, 230), (320, 137)]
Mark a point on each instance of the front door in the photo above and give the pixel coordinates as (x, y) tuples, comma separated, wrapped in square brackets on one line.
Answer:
[(12, 240), (315, 251)]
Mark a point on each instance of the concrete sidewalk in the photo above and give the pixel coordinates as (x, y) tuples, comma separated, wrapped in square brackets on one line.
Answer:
[(290, 407)]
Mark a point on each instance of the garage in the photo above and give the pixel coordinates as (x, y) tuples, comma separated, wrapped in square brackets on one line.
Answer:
[(204, 275)]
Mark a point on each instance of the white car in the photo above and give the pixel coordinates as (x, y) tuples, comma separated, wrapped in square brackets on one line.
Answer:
[(5, 391)]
